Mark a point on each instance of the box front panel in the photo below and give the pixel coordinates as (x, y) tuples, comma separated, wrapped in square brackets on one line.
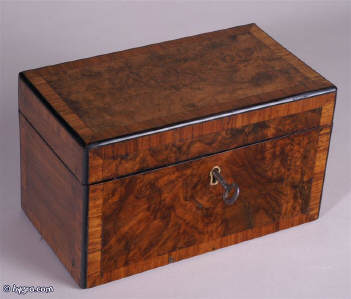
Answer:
[(147, 220)]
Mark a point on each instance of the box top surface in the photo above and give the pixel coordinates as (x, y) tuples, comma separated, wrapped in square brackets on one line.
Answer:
[(174, 82)]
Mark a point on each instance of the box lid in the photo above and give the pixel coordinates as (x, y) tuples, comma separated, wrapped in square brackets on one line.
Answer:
[(175, 82)]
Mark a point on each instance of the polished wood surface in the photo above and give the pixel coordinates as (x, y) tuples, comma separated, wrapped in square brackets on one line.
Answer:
[(137, 154), (95, 279), (51, 129), (152, 214), (52, 198), (172, 82), (111, 207), (140, 207)]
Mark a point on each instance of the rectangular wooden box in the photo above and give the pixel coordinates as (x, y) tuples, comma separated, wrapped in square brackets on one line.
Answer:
[(117, 151)]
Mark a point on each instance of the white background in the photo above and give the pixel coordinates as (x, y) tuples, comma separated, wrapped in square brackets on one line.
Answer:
[(308, 261)]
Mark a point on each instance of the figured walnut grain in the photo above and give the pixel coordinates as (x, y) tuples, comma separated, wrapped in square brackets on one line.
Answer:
[(189, 142), (171, 82), (140, 221)]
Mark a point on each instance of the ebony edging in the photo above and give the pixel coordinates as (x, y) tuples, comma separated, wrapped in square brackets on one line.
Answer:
[(294, 98)]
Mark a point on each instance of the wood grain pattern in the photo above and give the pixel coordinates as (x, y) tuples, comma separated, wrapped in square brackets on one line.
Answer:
[(147, 216), (315, 80), (326, 123), (189, 142), (59, 139), (95, 279), (319, 171), (112, 210), (52, 198), (154, 86)]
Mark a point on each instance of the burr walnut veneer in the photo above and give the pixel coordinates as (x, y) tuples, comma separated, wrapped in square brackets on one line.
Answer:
[(139, 158)]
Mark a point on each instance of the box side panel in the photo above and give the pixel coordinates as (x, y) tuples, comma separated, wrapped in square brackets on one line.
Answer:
[(52, 130), (53, 199)]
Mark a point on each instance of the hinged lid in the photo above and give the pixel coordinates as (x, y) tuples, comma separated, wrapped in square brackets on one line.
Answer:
[(157, 86)]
